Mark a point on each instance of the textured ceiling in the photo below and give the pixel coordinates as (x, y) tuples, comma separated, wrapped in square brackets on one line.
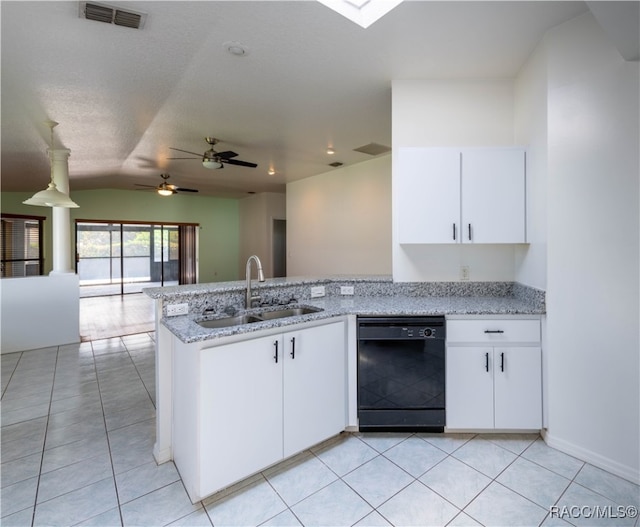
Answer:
[(311, 79)]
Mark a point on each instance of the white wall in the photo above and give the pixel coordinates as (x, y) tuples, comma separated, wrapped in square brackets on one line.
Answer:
[(339, 222), (593, 249), (257, 213), (531, 130), (452, 113), (39, 312)]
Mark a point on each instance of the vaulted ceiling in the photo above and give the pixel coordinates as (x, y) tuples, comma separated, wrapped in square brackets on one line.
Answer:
[(309, 79)]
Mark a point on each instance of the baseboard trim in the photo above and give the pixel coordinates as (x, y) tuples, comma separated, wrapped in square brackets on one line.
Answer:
[(162, 455), (591, 457)]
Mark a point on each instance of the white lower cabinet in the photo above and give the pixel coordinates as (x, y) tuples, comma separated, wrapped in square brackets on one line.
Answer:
[(315, 388), (494, 375), (241, 412), (260, 401)]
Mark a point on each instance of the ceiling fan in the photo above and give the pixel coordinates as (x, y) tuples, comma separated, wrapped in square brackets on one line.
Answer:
[(214, 160), (166, 189)]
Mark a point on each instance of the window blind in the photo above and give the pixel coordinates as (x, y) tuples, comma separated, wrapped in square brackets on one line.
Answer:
[(21, 251)]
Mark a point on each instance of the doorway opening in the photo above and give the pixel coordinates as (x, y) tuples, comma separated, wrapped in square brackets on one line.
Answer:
[(279, 249)]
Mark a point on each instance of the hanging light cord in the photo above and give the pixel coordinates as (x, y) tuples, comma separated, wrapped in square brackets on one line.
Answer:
[(51, 125)]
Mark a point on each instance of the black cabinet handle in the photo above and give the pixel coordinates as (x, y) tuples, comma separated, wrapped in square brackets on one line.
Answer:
[(502, 361), (486, 361), (454, 231), (293, 347), (494, 331), (275, 343), (469, 231)]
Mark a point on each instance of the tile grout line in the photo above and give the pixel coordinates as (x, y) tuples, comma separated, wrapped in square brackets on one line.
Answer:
[(44, 441), (11, 376), (495, 479), (106, 432)]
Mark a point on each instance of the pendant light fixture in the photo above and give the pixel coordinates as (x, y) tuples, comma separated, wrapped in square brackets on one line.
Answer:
[(51, 196)]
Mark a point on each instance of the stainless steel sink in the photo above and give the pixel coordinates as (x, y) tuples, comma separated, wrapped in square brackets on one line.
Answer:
[(260, 316), (226, 322), (287, 312)]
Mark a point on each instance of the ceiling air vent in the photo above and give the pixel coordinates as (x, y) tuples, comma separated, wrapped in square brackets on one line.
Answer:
[(336, 164), (112, 15), (373, 149)]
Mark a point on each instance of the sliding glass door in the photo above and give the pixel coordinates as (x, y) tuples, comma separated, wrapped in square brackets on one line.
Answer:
[(119, 258)]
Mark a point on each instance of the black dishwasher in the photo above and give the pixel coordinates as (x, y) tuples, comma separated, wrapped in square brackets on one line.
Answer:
[(401, 373)]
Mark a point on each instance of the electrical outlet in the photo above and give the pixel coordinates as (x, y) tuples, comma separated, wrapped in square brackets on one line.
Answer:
[(464, 273), (346, 289), (317, 291), (177, 309)]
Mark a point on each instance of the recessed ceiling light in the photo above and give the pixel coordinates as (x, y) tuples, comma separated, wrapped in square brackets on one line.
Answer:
[(271, 172), (236, 48), (330, 151)]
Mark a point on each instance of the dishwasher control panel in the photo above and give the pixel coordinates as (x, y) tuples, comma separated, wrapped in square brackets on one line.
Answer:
[(401, 328)]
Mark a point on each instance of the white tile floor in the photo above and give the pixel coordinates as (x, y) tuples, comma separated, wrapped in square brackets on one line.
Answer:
[(78, 426)]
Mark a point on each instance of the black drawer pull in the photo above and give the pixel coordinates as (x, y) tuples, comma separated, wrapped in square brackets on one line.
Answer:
[(502, 361), (493, 331), (486, 361), (293, 347), (454, 231), (275, 343)]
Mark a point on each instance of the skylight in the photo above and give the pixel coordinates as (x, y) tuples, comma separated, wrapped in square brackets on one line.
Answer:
[(362, 12)]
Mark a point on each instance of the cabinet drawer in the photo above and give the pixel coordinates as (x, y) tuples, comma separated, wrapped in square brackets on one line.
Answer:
[(493, 331)]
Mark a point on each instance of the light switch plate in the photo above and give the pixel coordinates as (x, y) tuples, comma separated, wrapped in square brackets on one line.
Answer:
[(317, 291), (346, 290), (177, 309)]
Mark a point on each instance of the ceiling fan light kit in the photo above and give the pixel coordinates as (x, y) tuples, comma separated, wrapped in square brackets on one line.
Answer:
[(212, 164), (164, 191), (165, 188), (214, 160)]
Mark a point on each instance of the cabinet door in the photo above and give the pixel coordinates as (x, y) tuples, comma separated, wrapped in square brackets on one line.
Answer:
[(518, 387), (493, 196), (469, 388), (427, 195), (241, 411), (314, 386)]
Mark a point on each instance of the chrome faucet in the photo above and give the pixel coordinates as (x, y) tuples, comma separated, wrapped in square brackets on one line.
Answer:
[(249, 298)]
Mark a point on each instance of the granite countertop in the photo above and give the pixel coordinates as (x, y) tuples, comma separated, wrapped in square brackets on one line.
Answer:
[(188, 331)]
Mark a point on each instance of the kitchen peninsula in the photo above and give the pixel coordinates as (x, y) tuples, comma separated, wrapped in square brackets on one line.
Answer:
[(190, 358)]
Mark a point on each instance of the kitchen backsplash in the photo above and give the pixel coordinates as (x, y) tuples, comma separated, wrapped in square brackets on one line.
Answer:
[(217, 298)]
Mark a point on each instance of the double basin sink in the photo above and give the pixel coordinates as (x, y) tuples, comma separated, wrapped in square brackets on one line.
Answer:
[(259, 316)]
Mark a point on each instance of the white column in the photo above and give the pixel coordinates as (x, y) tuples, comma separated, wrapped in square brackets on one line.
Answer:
[(61, 226)]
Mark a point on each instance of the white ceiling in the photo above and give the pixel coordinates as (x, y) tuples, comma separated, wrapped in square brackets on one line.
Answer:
[(311, 79)]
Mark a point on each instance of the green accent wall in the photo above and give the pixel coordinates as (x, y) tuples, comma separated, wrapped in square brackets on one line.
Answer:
[(218, 219)]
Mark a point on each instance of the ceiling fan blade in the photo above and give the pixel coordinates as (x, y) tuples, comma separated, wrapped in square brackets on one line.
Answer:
[(148, 186), (185, 151), (238, 162), (189, 158), (227, 154), (180, 189)]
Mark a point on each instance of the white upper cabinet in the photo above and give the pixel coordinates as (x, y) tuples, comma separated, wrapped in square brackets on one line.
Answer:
[(428, 195), (493, 196), (453, 195)]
